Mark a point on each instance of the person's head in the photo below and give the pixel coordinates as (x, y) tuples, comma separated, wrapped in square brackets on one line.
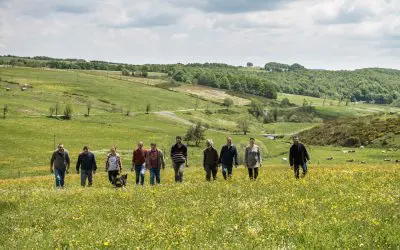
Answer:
[(153, 146), (85, 149), (178, 140), (140, 145), (296, 140), (60, 147), (209, 143), (228, 140), (252, 141), (113, 150)]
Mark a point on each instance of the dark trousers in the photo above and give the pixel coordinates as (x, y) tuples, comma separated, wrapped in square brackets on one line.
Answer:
[(178, 169), (154, 172), (297, 170), (211, 170), (86, 174), (139, 175), (112, 175), (60, 176), (253, 173), (227, 171)]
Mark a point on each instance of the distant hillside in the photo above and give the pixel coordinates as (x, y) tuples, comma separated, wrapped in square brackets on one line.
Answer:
[(374, 130), (372, 85)]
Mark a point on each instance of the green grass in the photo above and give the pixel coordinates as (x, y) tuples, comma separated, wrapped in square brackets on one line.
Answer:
[(333, 207), (339, 204), (51, 86)]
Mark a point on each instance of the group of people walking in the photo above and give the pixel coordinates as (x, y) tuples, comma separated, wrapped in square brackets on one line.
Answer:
[(153, 160)]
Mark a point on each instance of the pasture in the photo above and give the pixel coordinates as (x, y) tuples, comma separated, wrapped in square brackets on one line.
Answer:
[(349, 201)]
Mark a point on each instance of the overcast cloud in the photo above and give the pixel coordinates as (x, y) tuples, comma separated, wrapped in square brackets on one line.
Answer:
[(331, 34)]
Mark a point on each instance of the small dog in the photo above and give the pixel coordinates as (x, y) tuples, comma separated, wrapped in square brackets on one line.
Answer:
[(120, 182)]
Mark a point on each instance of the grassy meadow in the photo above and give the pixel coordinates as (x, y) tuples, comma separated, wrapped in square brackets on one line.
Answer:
[(333, 207), (349, 201)]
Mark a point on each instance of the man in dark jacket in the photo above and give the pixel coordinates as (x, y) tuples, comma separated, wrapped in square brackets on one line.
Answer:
[(227, 156), (210, 160), (87, 163), (61, 162), (298, 156), (179, 158)]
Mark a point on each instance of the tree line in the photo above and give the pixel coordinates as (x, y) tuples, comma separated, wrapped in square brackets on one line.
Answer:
[(372, 85)]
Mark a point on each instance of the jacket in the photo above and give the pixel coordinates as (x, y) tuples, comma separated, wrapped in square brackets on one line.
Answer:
[(160, 162), (86, 162), (298, 155), (228, 155), (60, 160), (252, 156), (118, 162)]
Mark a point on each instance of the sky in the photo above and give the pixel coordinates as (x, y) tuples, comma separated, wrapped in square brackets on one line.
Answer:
[(319, 34)]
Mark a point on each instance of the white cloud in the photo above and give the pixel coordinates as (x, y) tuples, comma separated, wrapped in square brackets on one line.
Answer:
[(319, 34)]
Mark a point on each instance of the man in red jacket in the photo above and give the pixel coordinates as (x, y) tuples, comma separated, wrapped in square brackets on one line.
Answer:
[(138, 163)]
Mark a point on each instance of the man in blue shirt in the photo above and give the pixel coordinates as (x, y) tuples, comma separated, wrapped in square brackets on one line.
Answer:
[(87, 163), (227, 157)]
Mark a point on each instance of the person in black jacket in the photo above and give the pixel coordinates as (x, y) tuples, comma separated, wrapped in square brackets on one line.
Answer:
[(210, 160), (298, 156), (226, 157), (87, 163)]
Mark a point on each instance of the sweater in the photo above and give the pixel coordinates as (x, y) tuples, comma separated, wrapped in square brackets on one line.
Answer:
[(179, 154), (86, 162), (139, 157), (210, 157)]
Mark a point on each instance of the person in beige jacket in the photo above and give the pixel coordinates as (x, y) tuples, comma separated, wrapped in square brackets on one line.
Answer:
[(252, 159)]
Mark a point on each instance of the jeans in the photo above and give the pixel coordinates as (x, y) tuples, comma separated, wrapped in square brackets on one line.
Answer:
[(178, 168), (86, 174), (227, 171), (139, 175), (251, 175), (211, 170), (60, 176), (304, 167), (154, 172), (112, 175)]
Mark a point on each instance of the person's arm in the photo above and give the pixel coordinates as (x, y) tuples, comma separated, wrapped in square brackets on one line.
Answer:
[(186, 156), (162, 160), (216, 158), (172, 152), (133, 160), (94, 164), (291, 157), (204, 159), (221, 155), (78, 163), (52, 162), (107, 163), (67, 161), (236, 157), (306, 154), (259, 155), (119, 163), (245, 157)]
